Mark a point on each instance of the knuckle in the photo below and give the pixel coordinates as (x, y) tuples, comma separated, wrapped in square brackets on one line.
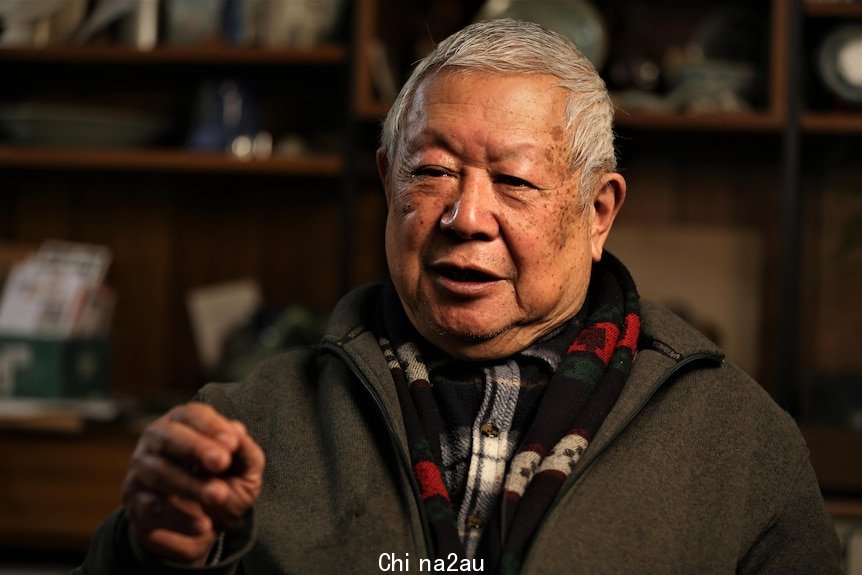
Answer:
[(240, 426), (155, 437)]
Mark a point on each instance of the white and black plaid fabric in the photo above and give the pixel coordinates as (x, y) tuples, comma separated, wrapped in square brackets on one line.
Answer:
[(486, 408)]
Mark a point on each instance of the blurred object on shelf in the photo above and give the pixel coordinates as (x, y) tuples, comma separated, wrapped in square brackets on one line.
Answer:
[(194, 21), (839, 63), (294, 23), (57, 415), (234, 329), (849, 531), (55, 316), (148, 23), (58, 292), (705, 86), (226, 113), (714, 70), (52, 367), (267, 332), (79, 126), (577, 19), (216, 310), (382, 73), (138, 22), (258, 147), (39, 22)]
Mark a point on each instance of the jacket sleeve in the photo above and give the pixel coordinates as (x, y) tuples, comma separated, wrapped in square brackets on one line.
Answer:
[(113, 549), (801, 538)]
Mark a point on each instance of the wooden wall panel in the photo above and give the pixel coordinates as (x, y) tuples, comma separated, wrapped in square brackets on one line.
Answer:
[(171, 233)]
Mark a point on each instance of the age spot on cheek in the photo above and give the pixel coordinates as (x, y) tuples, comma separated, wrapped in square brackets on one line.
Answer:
[(567, 223)]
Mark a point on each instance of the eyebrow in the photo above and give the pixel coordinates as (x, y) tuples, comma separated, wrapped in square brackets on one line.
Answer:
[(435, 138)]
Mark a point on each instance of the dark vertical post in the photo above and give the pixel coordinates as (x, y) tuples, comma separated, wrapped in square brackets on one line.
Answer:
[(786, 372), (349, 153)]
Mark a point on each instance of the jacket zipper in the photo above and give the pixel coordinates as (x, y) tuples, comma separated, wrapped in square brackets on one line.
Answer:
[(579, 472), (403, 459)]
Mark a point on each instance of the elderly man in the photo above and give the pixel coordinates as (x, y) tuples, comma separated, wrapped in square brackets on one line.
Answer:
[(507, 403)]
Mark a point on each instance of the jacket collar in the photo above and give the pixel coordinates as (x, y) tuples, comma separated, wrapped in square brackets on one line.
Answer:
[(349, 330), (667, 344)]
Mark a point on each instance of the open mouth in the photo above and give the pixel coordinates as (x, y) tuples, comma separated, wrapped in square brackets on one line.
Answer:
[(464, 274)]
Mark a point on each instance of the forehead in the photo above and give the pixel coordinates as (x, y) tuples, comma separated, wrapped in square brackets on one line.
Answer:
[(500, 111), (516, 101)]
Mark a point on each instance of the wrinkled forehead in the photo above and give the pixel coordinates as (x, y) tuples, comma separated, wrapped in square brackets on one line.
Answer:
[(537, 100)]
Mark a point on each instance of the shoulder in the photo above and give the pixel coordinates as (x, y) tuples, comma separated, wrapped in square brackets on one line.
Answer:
[(287, 373), (717, 395)]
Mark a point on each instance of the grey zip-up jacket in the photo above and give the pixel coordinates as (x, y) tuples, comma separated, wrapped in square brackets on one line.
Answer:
[(695, 470)]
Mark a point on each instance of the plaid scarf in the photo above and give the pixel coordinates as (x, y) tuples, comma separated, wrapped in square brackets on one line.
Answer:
[(579, 396)]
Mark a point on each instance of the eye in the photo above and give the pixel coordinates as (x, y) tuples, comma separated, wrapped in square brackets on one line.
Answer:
[(429, 172), (513, 181)]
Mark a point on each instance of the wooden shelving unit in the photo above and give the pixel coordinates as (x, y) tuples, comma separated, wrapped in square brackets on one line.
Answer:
[(219, 54), (825, 121), (713, 122), (132, 199), (167, 160), (830, 9), (16, 156), (831, 123), (835, 450)]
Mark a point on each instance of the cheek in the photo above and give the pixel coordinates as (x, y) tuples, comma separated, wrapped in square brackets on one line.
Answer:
[(550, 250), (569, 225)]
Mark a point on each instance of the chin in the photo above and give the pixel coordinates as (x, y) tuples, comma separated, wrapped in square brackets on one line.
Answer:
[(463, 324), (463, 339)]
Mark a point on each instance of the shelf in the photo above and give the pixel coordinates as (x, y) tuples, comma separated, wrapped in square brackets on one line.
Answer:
[(833, 9), (729, 122), (845, 507), (831, 123), (168, 161), (216, 55), (676, 121)]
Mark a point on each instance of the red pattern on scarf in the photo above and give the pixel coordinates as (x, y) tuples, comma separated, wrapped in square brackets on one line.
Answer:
[(430, 480)]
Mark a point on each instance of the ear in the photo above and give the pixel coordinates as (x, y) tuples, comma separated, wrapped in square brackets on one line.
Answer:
[(383, 171), (608, 199)]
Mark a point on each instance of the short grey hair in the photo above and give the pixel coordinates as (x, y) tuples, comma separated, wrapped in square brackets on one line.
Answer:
[(507, 46)]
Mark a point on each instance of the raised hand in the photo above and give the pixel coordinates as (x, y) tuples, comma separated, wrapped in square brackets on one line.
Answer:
[(192, 474)]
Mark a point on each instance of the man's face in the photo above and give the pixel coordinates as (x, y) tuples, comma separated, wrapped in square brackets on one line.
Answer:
[(488, 245)]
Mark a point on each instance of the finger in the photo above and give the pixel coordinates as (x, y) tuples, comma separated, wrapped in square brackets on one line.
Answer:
[(209, 422), (184, 444), (149, 512), (229, 497), (159, 475), (163, 477), (248, 460)]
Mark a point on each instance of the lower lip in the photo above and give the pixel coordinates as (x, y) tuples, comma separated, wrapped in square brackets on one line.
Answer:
[(464, 288)]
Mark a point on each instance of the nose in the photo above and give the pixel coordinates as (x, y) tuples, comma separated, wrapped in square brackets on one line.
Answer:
[(471, 216)]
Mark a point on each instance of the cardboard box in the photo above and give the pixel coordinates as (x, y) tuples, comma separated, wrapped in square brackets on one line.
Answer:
[(53, 368)]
